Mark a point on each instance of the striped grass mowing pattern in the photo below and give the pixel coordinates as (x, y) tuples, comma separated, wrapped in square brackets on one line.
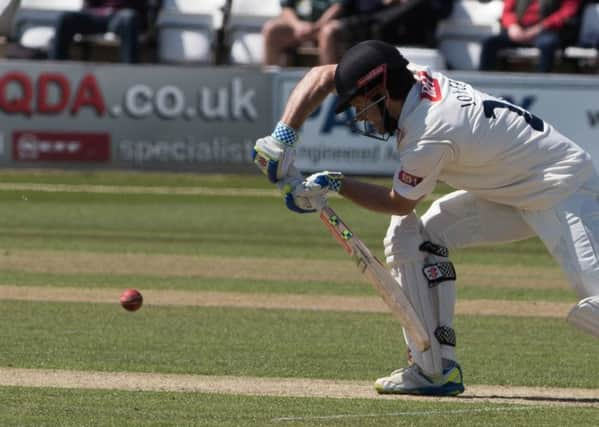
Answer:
[(281, 343), (232, 236), (250, 268), (488, 307), (75, 407)]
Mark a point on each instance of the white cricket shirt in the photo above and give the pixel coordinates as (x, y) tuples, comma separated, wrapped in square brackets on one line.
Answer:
[(451, 132)]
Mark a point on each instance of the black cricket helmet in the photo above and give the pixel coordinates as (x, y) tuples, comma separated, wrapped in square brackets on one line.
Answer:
[(372, 68), (366, 65)]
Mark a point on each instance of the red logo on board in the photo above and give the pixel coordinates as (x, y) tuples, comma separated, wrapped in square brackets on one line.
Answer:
[(430, 87), (409, 179), (33, 146)]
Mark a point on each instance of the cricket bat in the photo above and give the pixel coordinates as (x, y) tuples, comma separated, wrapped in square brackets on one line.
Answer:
[(379, 277)]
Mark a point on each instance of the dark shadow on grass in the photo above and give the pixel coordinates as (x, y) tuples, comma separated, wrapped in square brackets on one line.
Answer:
[(201, 237), (574, 401)]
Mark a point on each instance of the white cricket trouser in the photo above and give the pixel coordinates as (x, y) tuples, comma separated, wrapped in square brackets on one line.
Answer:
[(569, 230)]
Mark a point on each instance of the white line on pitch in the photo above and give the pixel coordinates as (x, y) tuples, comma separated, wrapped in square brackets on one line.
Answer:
[(408, 413), (157, 190)]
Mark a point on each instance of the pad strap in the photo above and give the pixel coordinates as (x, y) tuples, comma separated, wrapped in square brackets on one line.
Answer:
[(433, 248), (445, 335), (438, 272)]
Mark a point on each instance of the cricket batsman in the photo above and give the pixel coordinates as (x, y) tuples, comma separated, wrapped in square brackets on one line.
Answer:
[(516, 175)]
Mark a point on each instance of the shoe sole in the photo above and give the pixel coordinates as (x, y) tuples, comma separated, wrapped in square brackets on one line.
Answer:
[(446, 390)]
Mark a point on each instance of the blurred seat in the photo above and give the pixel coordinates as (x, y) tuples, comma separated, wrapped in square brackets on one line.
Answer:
[(244, 29), (461, 35), (35, 21), (8, 10), (586, 52), (186, 30), (431, 58), (589, 27)]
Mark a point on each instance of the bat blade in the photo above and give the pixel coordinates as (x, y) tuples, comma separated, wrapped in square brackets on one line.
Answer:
[(379, 277)]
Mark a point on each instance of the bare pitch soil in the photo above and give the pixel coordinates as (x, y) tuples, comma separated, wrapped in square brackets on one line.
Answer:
[(252, 268), (288, 387), (256, 268), (291, 387), (274, 301)]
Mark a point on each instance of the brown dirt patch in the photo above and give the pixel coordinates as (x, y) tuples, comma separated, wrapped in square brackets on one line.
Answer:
[(338, 271), (288, 387), (275, 301), (256, 268), (134, 189)]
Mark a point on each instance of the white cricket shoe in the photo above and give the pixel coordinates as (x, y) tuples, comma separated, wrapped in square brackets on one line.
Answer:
[(411, 380), (585, 315)]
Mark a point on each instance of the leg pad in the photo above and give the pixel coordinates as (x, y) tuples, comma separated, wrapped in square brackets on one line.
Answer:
[(585, 315), (433, 248), (439, 272)]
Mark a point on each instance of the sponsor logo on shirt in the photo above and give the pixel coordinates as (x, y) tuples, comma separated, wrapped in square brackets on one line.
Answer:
[(430, 87), (409, 179)]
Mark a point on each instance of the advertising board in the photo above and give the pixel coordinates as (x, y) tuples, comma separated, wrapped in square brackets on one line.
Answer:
[(206, 119), (570, 103), (137, 117)]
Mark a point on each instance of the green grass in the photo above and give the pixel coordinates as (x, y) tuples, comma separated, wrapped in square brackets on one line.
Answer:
[(273, 343), (144, 179), (50, 407), (269, 343), (151, 179), (283, 286), (216, 225)]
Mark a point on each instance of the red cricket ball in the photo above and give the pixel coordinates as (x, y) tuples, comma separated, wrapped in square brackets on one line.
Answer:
[(131, 299)]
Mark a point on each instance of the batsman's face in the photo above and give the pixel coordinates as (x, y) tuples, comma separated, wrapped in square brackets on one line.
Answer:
[(367, 110)]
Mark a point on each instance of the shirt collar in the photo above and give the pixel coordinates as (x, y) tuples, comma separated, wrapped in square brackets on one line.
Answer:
[(410, 103)]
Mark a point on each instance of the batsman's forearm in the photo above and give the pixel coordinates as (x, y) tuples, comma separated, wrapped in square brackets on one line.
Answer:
[(370, 196), (375, 197), (309, 93)]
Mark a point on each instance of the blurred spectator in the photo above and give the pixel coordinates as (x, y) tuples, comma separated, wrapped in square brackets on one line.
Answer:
[(125, 18), (299, 22), (545, 24), (404, 22), (353, 25), (410, 22), (589, 24), (348, 22)]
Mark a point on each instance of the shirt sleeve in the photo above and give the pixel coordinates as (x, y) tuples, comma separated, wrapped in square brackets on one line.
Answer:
[(558, 19), (509, 17), (419, 169)]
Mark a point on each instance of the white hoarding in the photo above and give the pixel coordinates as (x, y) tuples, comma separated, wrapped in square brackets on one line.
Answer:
[(570, 103)]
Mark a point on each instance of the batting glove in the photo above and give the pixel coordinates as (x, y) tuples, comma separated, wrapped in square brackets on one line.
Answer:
[(298, 199), (274, 154), (303, 204), (323, 182)]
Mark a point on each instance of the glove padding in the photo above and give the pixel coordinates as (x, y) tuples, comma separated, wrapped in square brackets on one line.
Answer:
[(297, 198), (273, 158), (319, 184), (304, 204)]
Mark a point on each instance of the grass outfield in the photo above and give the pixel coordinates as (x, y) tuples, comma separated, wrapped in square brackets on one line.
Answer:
[(77, 408), (88, 407), (279, 343), (70, 230)]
